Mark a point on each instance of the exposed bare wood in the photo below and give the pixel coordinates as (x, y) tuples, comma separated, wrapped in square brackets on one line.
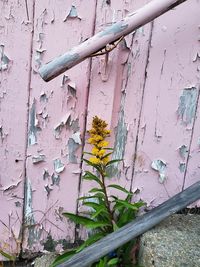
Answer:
[(109, 35), (135, 228)]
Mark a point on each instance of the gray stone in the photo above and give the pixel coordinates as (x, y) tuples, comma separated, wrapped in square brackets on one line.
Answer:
[(45, 261), (173, 243)]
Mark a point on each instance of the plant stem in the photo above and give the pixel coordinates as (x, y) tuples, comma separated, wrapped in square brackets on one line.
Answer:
[(106, 200)]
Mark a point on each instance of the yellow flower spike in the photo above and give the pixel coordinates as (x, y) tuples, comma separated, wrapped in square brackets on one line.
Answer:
[(91, 141), (95, 160), (108, 131), (98, 133), (97, 137), (95, 151), (103, 144), (105, 160), (101, 153)]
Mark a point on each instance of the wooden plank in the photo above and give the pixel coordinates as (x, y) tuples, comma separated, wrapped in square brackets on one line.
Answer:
[(116, 89), (127, 25), (135, 228), (168, 110), (15, 52), (192, 157), (56, 126)]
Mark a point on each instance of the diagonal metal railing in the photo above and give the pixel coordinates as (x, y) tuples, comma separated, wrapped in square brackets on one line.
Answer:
[(132, 230), (109, 35)]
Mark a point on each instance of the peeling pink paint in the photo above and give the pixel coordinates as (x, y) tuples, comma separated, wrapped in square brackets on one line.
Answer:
[(147, 89), (59, 117), (15, 42)]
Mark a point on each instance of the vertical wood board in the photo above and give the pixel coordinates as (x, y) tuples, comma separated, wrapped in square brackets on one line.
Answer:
[(15, 43)]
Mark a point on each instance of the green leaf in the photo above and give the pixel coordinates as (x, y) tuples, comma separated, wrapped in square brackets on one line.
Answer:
[(115, 227), (113, 261), (125, 217), (62, 258), (139, 204), (120, 188), (113, 161), (8, 256), (114, 197), (88, 223), (129, 197), (92, 239), (94, 190), (126, 252), (99, 209), (102, 262), (77, 218), (95, 206), (107, 155), (124, 203), (99, 196), (104, 214), (96, 166), (90, 176)]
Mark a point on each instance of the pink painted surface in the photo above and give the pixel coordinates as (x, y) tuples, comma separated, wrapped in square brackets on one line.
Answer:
[(147, 91), (56, 124), (15, 44), (169, 106)]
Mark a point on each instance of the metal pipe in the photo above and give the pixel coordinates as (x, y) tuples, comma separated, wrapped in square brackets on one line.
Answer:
[(110, 34)]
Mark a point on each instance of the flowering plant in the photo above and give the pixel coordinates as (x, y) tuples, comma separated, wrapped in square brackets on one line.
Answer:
[(105, 213)]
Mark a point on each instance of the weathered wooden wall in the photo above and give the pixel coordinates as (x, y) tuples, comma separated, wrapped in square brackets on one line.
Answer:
[(148, 92)]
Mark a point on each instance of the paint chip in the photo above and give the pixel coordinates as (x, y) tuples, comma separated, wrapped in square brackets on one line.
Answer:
[(58, 128), (159, 166), (198, 141), (38, 159), (72, 148), (77, 138), (11, 186), (72, 88), (55, 178), (182, 166), (187, 105), (75, 125), (73, 14), (18, 204), (121, 132), (45, 174), (48, 190), (65, 79), (38, 58), (183, 150), (3, 135), (114, 29), (4, 60), (196, 57), (58, 166), (33, 125), (43, 97), (78, 171)]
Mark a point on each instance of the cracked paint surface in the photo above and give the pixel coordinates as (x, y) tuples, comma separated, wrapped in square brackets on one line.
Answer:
[(187, 105), (4, 60), (160, 166), (72, 13), (56, 122), (14, 78), (147, 89)]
